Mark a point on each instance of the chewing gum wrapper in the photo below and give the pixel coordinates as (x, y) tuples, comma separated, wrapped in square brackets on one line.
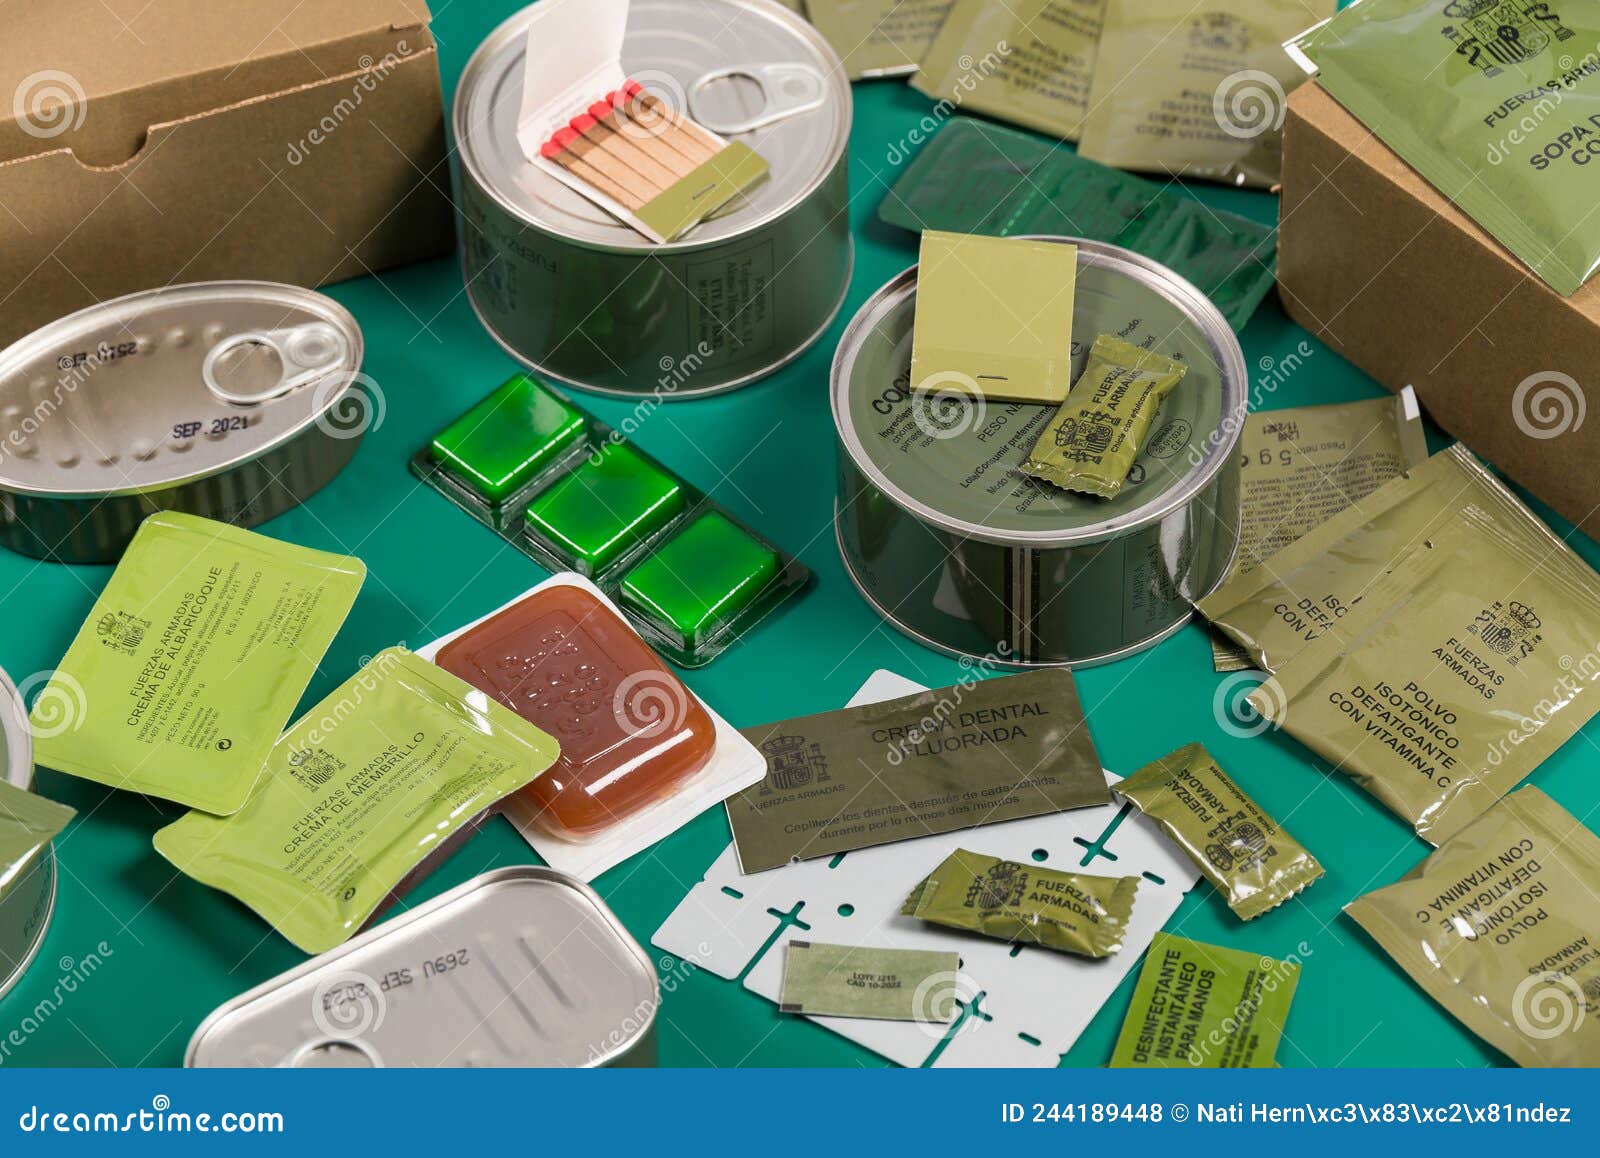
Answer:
[(1026, 903), (1501, 926), (1092, 442), (1199, 1006), (1249, 856), (857, 981), (953, 758)]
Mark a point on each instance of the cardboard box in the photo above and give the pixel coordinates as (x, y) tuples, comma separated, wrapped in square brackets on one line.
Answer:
[(1380, 266), (186, 140)]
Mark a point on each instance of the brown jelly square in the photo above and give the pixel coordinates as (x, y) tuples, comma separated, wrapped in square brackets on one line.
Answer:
[(630, 732)]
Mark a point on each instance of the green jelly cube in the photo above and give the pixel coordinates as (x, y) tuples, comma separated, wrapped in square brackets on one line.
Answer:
[(611, 502), (508, 438), (701, 577)]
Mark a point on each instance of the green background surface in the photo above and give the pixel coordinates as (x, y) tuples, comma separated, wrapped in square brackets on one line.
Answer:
[(177, 949)]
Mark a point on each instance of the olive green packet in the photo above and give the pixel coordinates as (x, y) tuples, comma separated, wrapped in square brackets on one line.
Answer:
[(1457, 675), (1025, 61), (1195, 88), (192, 660), (877, 38), (357, 793), (994, 318), (28, 823), (1494, 104), (977, 177), (1199, 1006), (1091, 443), (1302, 465), (1026, 903), (1501, 926), (859, 981), (1299, 594), (951, 758), (1251, 858)]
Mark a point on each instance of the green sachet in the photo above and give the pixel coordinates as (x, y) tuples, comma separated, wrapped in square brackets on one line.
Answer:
[(1501, 926), (193, 659), (1025, 61), (1250, 857), (858, 981), (976, 177), (1195, 88), (1456, 676), (877, 37), (357, 793), (1301, 466), (1091, 443), (993, 318), (1072, 912), (1300, 593), (28, 823), (1200, 1006), (1494, 102)]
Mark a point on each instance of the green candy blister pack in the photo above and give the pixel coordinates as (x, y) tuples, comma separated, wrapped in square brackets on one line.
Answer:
[(975, 177), (572, 494)]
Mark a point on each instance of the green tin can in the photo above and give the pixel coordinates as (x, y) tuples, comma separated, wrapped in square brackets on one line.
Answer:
[(578, 296), (957, 548)]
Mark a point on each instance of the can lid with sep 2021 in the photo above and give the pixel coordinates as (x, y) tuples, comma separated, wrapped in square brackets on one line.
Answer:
[(521, 966), (752, 69), (166, 399)]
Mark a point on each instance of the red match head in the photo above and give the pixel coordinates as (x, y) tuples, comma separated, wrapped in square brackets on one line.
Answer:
[(632, 88), (600, 110), (565, 137), (583, 122), (550, 150)]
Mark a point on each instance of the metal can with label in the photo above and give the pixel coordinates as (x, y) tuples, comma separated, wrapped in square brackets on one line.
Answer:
[(954, 546), (521, 966), (232, 400), (577, 295), (27, 903)]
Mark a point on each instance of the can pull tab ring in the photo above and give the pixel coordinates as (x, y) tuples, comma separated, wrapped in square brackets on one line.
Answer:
[(786, 90), (256, 366)]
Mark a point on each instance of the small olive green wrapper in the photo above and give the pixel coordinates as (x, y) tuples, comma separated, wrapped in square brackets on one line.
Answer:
[(856, 981), (1010, 901), (28, 823), (1025, 61), (1299, 594), (1199, 1006), (1495, 102), (1302, 465), (1092, 442), (1195, 88), (994, 318), (952, 758), (876, 38), (192, 661), (1501, 926), (1249, 856), (1460, 671), (362, 789)]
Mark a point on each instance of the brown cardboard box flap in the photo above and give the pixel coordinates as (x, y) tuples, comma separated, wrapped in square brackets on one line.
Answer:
[(1377, 263), (232, 139), (160, 62)]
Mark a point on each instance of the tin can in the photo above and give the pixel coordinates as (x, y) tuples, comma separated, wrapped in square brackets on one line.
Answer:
[(521, 966), (955, 547), (25, 910), (232, 400), (579, 296)]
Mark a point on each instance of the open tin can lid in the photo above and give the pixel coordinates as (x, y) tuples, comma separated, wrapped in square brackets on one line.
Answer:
[(169, 386), (521, 966)]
